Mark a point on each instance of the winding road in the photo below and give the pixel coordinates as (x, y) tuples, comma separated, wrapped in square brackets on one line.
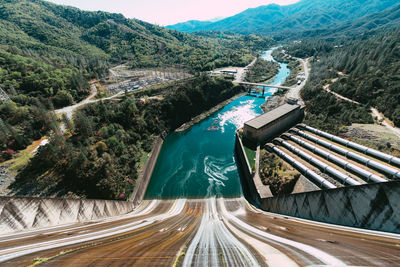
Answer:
[(70, 109), (210, 232), (294, 92), (381, 118)]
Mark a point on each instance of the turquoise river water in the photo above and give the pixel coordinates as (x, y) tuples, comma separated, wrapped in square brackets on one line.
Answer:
[(200, 162)]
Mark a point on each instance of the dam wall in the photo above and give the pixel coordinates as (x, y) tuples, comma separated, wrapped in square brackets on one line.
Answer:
[(25, 213), (245, 169), (370, 206), (144, 179), (250, 180), (374, 206)]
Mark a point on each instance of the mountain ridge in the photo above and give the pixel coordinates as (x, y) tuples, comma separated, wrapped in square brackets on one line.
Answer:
[(301, 16)]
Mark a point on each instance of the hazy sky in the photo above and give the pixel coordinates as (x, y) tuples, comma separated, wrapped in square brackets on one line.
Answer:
[(166, 12)]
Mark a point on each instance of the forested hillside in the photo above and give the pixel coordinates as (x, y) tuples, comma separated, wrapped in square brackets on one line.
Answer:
[(49, 54), (370, 69), (262, 71), (370, 24), (45, 47), (80, 44), (102, 156), (365, 69), (372, 72), (307, 15)]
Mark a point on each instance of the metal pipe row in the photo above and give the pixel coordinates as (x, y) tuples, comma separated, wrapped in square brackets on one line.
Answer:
[(321, 165), (331, 157), (322, 182), (351, 155), (366, 150)]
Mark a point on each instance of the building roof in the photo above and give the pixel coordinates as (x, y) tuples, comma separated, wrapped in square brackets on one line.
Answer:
[(270, 116)]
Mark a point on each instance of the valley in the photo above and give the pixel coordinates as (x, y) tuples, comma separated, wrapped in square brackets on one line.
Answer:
[(266, 138)]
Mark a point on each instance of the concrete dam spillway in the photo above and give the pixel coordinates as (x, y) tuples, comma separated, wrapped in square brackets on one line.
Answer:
[(200, 161)]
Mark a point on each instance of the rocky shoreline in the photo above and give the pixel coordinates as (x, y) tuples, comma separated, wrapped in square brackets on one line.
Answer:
[(273, 102)]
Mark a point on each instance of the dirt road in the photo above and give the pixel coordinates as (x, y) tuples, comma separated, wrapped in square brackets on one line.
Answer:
[(375, 112), (295, 91)]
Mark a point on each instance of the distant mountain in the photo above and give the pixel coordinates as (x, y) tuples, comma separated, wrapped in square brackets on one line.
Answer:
[(302, 16), (193, 25), (216, 19), (190, 26), (371, 23)]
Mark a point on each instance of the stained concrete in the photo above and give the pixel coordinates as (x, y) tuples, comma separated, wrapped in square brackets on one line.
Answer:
[(304, 185), (369, 206), (24, 213), (268, 125)]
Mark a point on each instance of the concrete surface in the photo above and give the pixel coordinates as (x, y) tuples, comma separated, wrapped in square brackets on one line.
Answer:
[(370, 206), (24, 213), (294, 92), (251, 182), (209, 232), (304, 185), (144, 179)]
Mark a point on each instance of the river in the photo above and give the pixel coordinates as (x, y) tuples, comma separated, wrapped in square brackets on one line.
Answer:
[(200, 162)]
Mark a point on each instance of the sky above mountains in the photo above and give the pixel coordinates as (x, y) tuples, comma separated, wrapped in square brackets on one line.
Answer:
[(167, 12)]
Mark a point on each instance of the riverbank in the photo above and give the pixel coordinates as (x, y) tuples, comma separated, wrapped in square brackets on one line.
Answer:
[(207, 114), (273, 102)]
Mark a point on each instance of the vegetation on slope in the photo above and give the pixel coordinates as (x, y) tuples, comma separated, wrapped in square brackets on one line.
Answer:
[(49, 54), (26, 79), (261, 71), (367, 71), (306, 17), (19, 126), (372, 72), (323, 109), (101, 157), (278, 174)]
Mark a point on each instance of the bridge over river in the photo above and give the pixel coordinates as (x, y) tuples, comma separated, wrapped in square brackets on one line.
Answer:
[(263, 85)]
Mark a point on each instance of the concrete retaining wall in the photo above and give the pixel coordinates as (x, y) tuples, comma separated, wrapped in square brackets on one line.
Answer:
[(24, 213), (370, 206), (144, 179), (251, 181)]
